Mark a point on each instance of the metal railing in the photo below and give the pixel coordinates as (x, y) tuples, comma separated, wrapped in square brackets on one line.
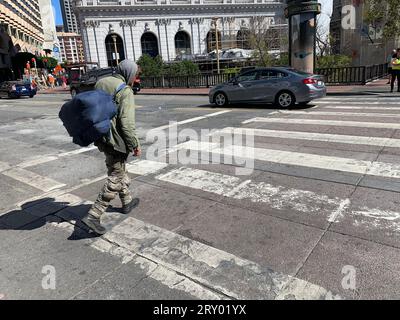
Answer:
[(198, 81), (332, 76), (353, 75)]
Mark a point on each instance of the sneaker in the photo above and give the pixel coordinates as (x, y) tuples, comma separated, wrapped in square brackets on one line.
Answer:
[(94, 224), (131, 205)]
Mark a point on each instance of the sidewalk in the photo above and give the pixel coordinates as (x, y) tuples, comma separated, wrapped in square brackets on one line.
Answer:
[(376, 87)]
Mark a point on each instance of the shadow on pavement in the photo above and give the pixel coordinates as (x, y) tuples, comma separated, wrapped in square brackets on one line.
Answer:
[(36, 214)]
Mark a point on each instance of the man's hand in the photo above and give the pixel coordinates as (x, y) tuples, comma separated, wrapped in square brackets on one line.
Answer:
[(137, 152)]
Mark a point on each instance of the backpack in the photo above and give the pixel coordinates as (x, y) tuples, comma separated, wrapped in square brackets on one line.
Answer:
[(87, 117)]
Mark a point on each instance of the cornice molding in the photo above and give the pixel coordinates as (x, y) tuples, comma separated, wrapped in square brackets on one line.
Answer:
[(190, 10)]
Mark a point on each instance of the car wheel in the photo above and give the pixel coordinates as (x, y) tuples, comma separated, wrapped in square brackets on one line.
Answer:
[(31, 96), (74, 92), (285, 99), (220, 99)]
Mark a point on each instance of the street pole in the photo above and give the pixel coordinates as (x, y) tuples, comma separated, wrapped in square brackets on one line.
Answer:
[(216, 45), (114, 37), (302, 33)]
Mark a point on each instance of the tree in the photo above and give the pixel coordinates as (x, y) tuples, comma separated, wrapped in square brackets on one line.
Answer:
[(156, 67), (264, 38), (183, 68), (385, 14), (323, 39), (46, 62), (151, 67), (334, 61)]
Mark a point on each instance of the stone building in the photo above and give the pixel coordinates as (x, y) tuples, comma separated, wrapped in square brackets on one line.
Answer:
[(119, 29)]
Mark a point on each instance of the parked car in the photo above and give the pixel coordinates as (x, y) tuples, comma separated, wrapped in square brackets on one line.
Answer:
[(16, 89), (282, 86), (88, 81)]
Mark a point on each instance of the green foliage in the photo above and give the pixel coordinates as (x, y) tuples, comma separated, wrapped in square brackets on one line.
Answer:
[(283, 60), (334, 61), (231, 71), (50, 64), (385, 14), (151, 67), (182, 68), (155, 67)]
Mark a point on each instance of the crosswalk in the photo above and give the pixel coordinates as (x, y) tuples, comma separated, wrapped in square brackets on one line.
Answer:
[(207, 272)]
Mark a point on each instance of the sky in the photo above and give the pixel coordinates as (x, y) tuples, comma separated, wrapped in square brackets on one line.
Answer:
[(58, 15)]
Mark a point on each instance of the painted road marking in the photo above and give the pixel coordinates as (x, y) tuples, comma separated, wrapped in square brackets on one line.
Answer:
[(357, 102), (48, 158), (325, 137), (351, 114), (198, 269), (223, 272), (362, 108), (145, 167), (375, 168), (379, 125), (191, 120), (4, 166), (33, 179), (277, 197)]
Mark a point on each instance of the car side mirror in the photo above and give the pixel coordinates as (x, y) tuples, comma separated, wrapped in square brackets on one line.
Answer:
[(235, 82)]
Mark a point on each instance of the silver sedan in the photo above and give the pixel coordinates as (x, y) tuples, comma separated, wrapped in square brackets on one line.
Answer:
[(282, 86)]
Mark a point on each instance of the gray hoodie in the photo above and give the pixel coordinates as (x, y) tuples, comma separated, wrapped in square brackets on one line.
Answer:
[(127, 69)]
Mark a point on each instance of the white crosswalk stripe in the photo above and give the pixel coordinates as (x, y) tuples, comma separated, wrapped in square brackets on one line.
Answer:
[(338, 123), (374, 168), (33, 179), (312, 136), (342, 114), (380, 108), (361, 101), (188, 265)]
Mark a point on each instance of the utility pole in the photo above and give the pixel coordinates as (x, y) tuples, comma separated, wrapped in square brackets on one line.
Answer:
[(114, 37), (215, 21)]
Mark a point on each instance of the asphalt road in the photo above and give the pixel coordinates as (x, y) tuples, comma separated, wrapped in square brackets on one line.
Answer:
[(272, 204)]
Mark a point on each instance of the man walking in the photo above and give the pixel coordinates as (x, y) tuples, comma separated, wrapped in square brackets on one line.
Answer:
[(117, 146)]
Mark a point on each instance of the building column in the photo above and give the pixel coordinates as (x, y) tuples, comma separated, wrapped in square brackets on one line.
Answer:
[(124, 24), (163, 37), (85, 40), (131, 24)]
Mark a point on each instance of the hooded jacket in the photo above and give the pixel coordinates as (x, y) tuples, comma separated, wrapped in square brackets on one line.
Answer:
[(122, 136)]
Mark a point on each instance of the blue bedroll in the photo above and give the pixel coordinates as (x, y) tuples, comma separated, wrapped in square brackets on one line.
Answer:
[(87, 116)]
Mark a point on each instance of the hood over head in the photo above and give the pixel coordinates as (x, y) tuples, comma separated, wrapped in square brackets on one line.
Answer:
[(127, 69)]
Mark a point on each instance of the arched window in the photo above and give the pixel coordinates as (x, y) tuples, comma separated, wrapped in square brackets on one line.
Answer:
[(114, 49), (212, 40), (182, 43), (149, 44), (243, 39)]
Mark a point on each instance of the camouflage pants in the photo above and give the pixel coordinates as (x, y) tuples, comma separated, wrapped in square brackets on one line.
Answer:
[(117, 183)]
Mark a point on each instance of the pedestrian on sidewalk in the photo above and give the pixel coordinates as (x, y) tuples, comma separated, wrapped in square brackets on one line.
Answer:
[(395, 71), (117, 146), (390, 65)]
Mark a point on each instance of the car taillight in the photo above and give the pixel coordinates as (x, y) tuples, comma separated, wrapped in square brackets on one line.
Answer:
[(310, 81), (14, 88)]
